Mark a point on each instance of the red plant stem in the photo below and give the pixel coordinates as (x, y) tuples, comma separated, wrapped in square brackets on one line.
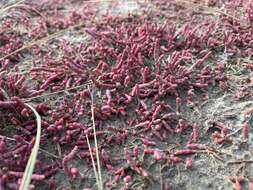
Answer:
[(49, 80), (188, 162), (69, 157), (148, 142), (195, 133), (8, 104), (37, 177), (136, 151), (16, 151), (197, 146), (184, 152), (178, 105), (175, 159), (245, 130)]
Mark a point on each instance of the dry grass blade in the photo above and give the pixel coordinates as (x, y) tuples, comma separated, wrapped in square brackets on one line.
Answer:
[(31, 162), (97, 173), (42, 40), (95, 139), (208, 9), (93, 162), (10, 6)]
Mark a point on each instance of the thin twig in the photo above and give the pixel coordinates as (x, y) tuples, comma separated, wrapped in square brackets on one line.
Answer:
[(57, 92), (240, 161)]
